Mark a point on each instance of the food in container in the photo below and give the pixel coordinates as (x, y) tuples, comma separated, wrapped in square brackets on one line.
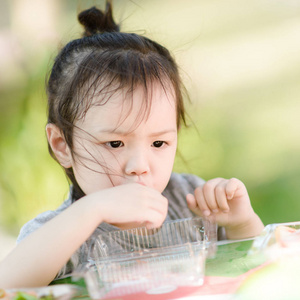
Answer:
[(278, 239)]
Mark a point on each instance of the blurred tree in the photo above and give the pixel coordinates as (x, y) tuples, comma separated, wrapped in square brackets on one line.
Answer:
[(27, 41)]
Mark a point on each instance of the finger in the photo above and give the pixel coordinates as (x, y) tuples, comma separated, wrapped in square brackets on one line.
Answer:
[(151, 218), (193, 205), (191, 202), (154, 220), (199, 197), (209, 194), (221, 198), (152, 199), (231, 187), (160, 204)]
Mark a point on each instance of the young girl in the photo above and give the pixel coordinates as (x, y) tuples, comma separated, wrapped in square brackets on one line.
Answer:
[(115, 107)]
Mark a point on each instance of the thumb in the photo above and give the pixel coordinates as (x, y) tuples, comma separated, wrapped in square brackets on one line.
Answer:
[(191, 202)]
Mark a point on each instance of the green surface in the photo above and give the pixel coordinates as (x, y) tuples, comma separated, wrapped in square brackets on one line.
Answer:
[(82, 294), (232, 260)]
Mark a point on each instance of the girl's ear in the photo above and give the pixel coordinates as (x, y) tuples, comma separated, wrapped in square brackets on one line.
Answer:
[(59, 146)]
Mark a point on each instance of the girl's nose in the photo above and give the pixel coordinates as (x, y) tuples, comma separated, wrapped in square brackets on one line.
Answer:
[(137, 164)]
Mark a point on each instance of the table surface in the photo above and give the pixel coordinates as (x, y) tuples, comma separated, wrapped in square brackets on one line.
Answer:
[(223, 273)]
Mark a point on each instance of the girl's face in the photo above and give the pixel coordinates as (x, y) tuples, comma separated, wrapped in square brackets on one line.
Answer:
[(117, 144)]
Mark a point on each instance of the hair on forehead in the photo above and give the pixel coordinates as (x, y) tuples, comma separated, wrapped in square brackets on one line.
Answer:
[(100, 83)]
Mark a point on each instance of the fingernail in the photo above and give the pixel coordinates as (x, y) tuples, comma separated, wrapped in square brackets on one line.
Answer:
[(215, 211), (225, 210), (206, 213)]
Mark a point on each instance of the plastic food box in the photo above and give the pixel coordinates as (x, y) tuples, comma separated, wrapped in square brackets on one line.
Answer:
[(129, 261), (278, 239)]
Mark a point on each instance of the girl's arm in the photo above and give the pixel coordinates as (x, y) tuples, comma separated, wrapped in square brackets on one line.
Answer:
[(227, 203), (37, 259)]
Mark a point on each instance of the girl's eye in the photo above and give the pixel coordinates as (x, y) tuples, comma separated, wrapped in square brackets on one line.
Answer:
[(158, 144), (115, 144)]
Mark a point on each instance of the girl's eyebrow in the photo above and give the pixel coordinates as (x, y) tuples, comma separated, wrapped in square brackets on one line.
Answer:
[(124, 132), (162, 132)]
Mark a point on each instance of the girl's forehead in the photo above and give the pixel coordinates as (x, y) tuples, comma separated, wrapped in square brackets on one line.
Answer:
[(146, 92), (124, 106)]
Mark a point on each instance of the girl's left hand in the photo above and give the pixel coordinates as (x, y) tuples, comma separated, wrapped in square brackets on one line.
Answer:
[(227, 203)]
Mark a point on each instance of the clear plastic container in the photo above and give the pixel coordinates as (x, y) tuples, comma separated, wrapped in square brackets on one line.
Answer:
[(277, 277), (278, 239), (130, 261)]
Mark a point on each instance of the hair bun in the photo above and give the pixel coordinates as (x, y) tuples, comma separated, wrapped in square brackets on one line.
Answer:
[(95, 21)]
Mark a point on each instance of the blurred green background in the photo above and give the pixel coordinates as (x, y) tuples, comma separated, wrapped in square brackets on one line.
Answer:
[(240, 61)]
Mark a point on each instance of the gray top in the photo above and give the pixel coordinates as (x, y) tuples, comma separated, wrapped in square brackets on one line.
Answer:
[(177, 189)]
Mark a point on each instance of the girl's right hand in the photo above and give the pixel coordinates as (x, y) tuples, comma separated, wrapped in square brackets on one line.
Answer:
[(131, 205), (49, 247)]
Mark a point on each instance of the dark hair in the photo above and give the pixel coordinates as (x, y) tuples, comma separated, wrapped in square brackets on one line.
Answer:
[(111, 60)]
